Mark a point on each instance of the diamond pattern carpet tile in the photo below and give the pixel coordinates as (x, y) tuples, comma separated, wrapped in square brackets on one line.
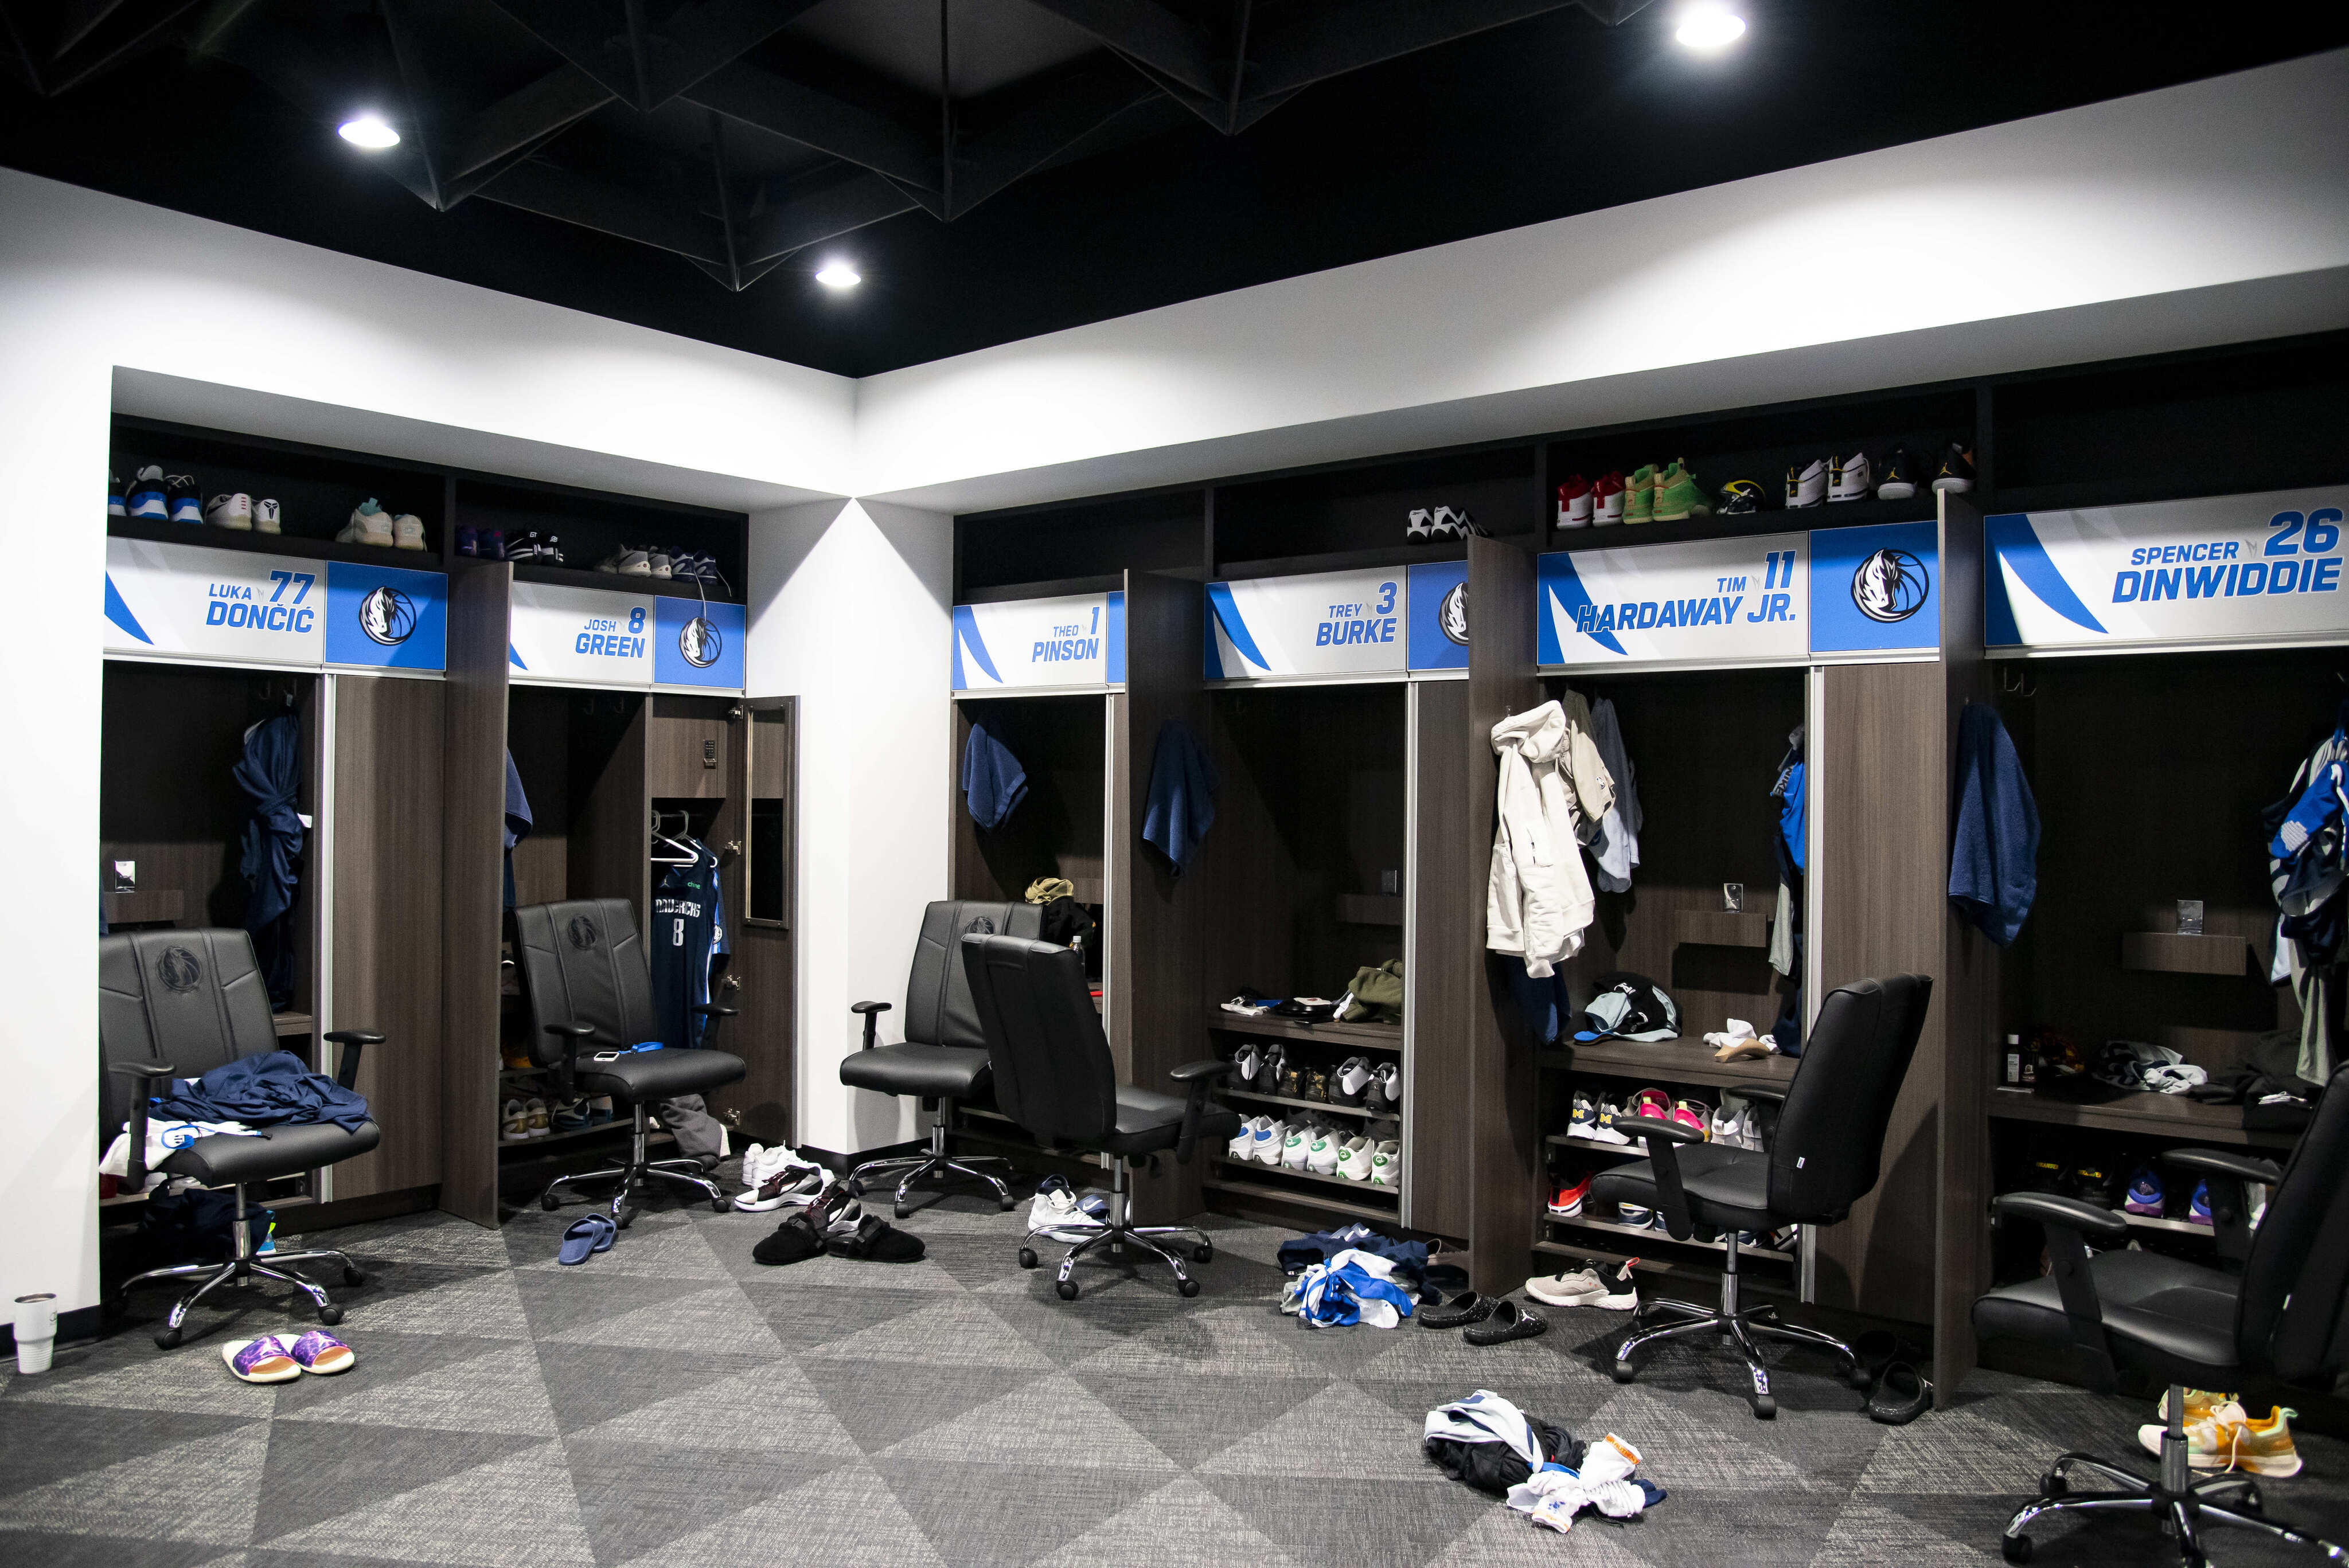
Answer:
[(672, 1401)]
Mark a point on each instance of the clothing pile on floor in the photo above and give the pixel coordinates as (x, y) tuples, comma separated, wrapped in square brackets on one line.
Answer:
[(1542, 1470), (1355, 1275)]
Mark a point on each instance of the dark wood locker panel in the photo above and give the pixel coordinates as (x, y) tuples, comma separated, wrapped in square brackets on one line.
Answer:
[(611, 823), (1157, 931), (1446, 922), (538, 737), (1058, 829), (760, 891), (1504, 1147), (388, 862), (472, 860), (1879, 874), (691, 757)]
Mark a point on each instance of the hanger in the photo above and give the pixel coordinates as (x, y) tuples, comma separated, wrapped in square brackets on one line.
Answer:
[(2018, 686), (687, 855)]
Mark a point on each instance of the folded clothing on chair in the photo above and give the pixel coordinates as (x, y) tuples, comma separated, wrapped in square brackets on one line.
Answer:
[(269, 1088)]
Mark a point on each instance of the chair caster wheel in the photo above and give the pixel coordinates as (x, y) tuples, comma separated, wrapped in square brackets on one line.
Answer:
[(719, 1205), (550, 1202), (1204, 1253), (1067, 1289), (1765, 1408), (353, 1277), (169, 1340), (855, 1188), (897, 1211), (2014, 1548), (1026, 1257), (1007, 1204), (2247, 1499), (330, 1315), (1186, 1288), (1625, 1371), (627, 1216), (2053, 1485)]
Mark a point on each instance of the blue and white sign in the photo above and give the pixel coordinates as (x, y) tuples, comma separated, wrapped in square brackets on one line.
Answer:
[(386, 617), (698, 644), (1874, 591), (1439, 615), (181, 601), (1330, 624), (581, 636), (1712, 602), (2246, 568), (1038, 643)]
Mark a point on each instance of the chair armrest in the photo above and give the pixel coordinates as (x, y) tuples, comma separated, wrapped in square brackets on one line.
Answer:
[(135, 1173), (2229, 1175), (2071, 1225), (2224, 1162), (1663, 1140), (1201, 1076), (1770, 1092), (346, 1070), (1207, 1069), (571, 1034), (871, 1010), (710, 1010)]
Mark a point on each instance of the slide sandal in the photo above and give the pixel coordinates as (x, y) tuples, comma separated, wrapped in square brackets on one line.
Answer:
[(593, 1235), (320, 1352), (1901, 1395), (261, 1360)]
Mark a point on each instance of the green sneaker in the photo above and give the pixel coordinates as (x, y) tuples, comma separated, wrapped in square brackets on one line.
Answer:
[(1640, 495), (1679, 495)]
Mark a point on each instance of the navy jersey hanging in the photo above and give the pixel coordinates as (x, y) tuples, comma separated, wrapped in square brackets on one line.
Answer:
[(688, 933), (270, 773)]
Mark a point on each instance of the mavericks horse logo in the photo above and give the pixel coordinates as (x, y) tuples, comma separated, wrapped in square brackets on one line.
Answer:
[(179, 969), (699, 641), (582, 931), (1453, 614), (387, 617), (1890, 585)]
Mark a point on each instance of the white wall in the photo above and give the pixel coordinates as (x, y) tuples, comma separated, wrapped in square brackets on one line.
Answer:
[(853, 618), (2211, 212)]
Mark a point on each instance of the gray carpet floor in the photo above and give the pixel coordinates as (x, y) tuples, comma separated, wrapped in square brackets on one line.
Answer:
[(674, 1402)]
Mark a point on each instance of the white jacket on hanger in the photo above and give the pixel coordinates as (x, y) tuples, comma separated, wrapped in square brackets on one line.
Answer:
[(1552, 779)]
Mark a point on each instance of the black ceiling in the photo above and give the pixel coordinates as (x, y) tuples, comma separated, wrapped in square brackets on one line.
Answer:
[(684, 164)]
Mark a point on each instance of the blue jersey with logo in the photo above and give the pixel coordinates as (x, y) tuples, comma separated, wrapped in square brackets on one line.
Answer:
[(688, 933)]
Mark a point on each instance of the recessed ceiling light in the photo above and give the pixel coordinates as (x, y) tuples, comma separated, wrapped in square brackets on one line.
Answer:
[(369, 132), (838, 274), (1706, 26)]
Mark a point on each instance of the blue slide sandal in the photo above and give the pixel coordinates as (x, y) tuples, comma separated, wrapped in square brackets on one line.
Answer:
[(596, 1233)]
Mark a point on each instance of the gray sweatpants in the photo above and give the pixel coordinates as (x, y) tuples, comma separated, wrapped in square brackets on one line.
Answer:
[(688, 1121)]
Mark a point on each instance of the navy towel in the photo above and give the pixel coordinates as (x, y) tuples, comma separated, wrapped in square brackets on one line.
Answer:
[(270, 775), (993, 782), (1182, 805), (1994, 852), (269, 1088)]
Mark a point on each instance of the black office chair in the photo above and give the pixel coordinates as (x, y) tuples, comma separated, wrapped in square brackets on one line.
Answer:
[(177, 1004), (1054, 1076), (944, 1058), (2281, 1319), (1830, 1140), (591, 1003)]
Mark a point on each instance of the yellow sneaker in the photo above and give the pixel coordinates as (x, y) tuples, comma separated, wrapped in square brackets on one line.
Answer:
[(2211, 1444), (1640, 495), (2200, 1403), (2265, 1448)]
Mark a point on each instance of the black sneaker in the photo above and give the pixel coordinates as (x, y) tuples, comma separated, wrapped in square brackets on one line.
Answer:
[(1740, 497), (2048, 1176), (1900, 481), (182, 500), (2094, 1184), (1957, 469)]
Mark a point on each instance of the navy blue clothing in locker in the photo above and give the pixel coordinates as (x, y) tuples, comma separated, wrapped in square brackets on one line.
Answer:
[(270, 773), (1994, 852), (688, 933)]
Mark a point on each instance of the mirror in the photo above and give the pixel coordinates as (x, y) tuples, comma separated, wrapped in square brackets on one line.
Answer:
[(767, 897)]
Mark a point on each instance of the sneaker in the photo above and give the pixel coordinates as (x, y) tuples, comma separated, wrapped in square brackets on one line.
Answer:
[(1679, 497), (1849, 478), (2197, 1212), (1420, 527), (2091, 1183), (1900, 480), (535, 1117), (1351, 1084), (1567, 1201), (1726, 1128), (2048, 1176), (1317, 1085), (1321, 1154), (1296, 1146), (369, 524), (1956, 471), (2228, 1439), (1640, 495), (1607, 501), (1386, 1164), (1271, 1140), (1385, 1095), (185, 502), (568, 1115), (1740, 497), (2200, 1405), (408, 531), (783, 1178), (490, 543), (659, 559), (1652, 1103), (1575, 502), (1453, 523), (514, 1126), (1806, 484), (1694, 1115), (116, 506), (1639, 1217), (266, 518), (147, 499), (599, 1109), (1246, 1062), (1606, 1131), (1585, 1119), (469, 541), (1242, 1146), (230, 511), (2145, 1194), (1354, 1159), (1576, 1288)]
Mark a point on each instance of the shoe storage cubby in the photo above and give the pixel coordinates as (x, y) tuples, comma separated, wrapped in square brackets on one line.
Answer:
[(316, 489), (591, 526), (1358, 515), (1083, 547)]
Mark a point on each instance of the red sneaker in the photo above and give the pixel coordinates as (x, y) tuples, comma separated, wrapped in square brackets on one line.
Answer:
[(1567, 1201), (1575, 502)]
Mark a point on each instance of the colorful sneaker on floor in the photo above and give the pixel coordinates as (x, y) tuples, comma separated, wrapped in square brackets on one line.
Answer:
[(1607, 501), (1956, 470), (1640, 495), (1849, 478), (1566, 1201), (1806, 484), (1567, 1289), (147, 497), (263, 1360), (320, 1352), (266, 518), (2145, 1194), (1898, 481), (2200, 1404), (1677, 495), (2216, 1441), (1575, 499), (2197, 1212), (231, 511), (186, 502)]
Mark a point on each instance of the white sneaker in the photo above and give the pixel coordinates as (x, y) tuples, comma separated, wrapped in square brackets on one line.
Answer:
[(1806, 486), (1386, 1164), (658, 561), (627, 562), (1606, 1131), (265, 517), (1726, 1128), (1419, 528), (1849, 478), (230, 511), (1354, 1160), (1321, 1155), (369, 524), (1269, 1140), (408, 531), (1244, 1146), (1562, 1289), (514, 1124), (535, 1116), (1293, 1149), (783, 1178)]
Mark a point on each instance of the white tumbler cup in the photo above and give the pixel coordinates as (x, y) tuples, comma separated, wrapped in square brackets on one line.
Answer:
[(37, 1331)]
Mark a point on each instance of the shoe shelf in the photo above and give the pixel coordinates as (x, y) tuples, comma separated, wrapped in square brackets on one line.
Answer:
[(294, 544), (1634, 1149), (2162, 1114), (1301, 1104), (1402, 553), (652, 1139), (2172, 953), (1345, 1183), (1375, 1036), (1648, 1234), (1918, 508), (1269, 1191), (1666, 1061), (1721, 928), (290, 1025), (570, 576)]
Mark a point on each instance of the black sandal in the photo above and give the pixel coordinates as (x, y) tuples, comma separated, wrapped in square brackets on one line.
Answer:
[(875, 1240), (794, 1242), (1462, 1310), (1901, 1395)]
